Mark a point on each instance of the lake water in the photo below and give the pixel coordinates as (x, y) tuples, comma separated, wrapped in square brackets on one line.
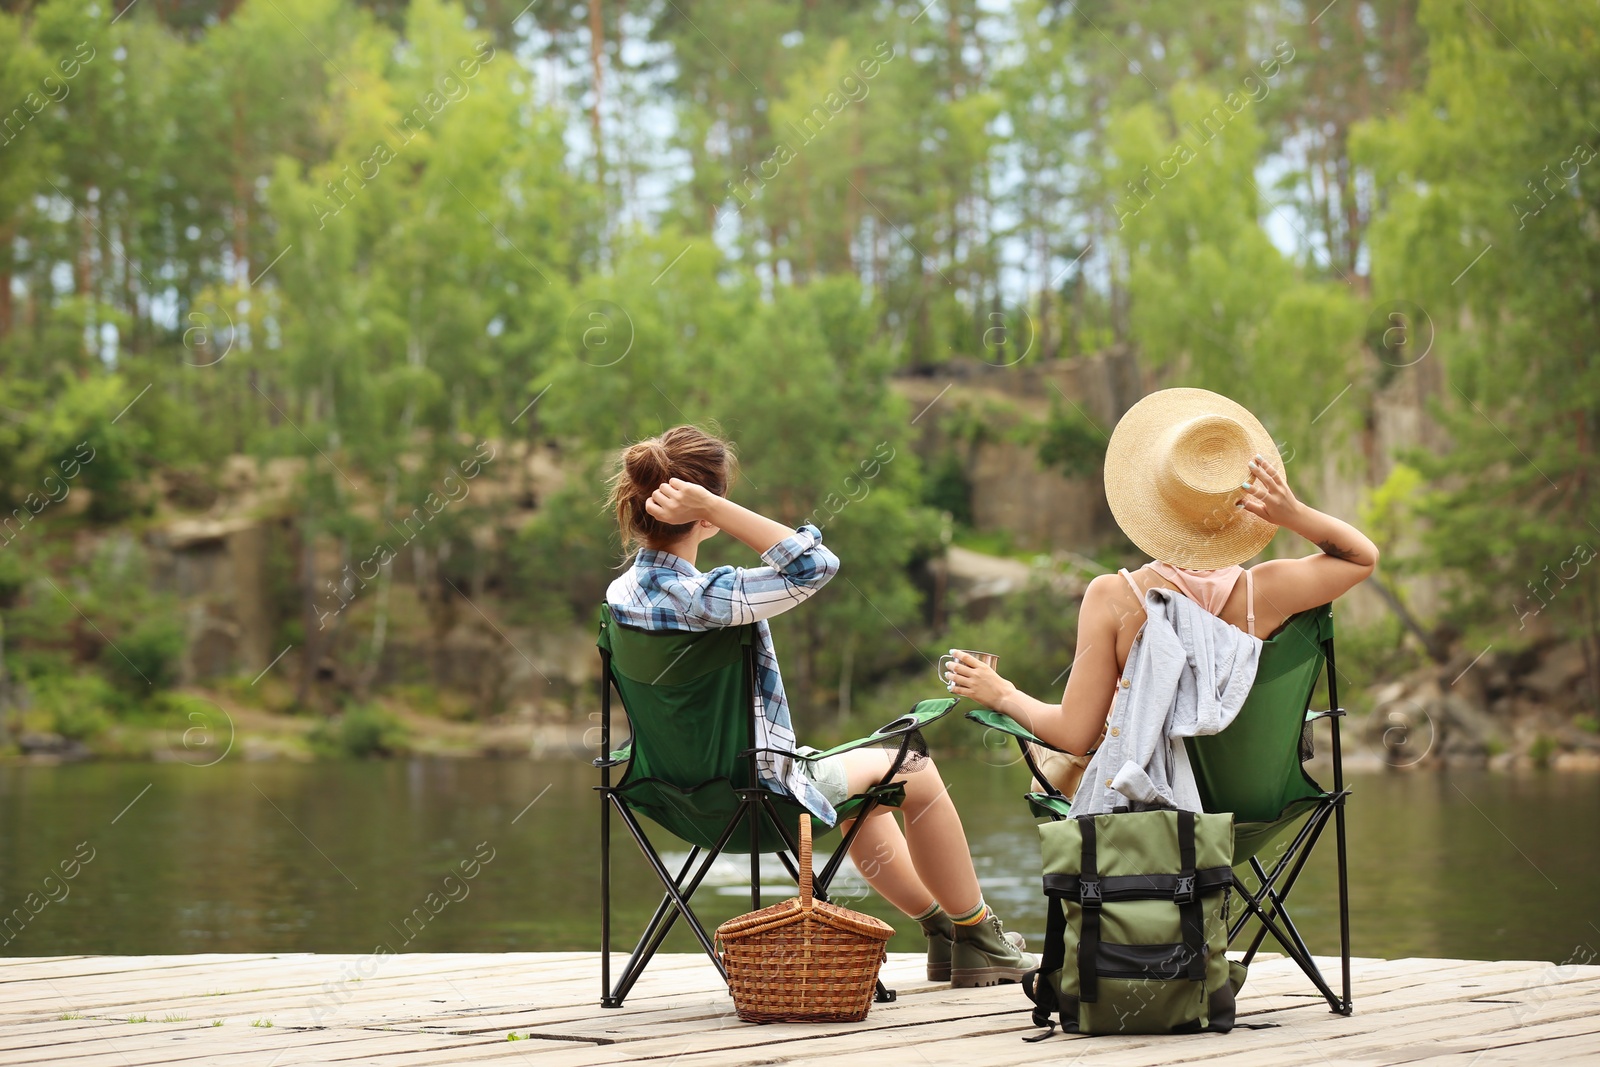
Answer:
[(333, 857)]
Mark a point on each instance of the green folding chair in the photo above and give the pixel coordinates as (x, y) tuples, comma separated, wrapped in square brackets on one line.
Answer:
[(690, 767), (1256, 769)]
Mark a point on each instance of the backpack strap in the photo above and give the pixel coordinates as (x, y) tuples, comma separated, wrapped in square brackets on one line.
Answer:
[(1187, 897), (1043, 989), (1089, 898)]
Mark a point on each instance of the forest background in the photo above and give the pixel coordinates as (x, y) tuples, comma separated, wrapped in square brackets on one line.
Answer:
[(321, 321)]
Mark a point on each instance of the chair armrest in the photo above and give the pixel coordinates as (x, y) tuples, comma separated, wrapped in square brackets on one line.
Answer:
[(924, 713), (1007, 725), (1046, 806), (619, 756)]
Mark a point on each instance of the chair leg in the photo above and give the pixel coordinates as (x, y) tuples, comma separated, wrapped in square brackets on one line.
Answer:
[(660, 925), (1338, 824), (1344, 906), (678, 896), (677, 899), (1297, 852), (1290, 945), (1278, 908), (606, 999), (1288, 936)]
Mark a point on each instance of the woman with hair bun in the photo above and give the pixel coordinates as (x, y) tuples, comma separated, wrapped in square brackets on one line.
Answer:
[(670, 494)]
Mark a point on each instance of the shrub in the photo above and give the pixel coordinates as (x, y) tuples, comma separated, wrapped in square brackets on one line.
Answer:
[(947, 488), (360, 731), (146, 658), (75, 705)]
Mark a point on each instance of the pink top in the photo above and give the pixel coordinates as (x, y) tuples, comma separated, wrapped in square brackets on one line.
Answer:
[(1209, 589)]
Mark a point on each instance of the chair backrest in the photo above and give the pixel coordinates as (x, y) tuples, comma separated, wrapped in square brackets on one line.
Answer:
[(687, 697), (689, 700), (1253, 767)]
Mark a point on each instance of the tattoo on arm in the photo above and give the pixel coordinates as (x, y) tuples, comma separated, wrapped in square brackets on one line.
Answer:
[(1336, 552)]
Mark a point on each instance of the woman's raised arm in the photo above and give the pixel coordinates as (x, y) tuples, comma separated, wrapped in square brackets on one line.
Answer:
[(677, 501), (797, 562), (1347, 558)]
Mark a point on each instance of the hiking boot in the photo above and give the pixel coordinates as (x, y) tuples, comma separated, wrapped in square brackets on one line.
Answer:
[(986, 954), (940, 932)]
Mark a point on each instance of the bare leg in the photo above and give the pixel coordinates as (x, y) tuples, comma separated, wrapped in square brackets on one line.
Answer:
[(931, 860), (875, 851)]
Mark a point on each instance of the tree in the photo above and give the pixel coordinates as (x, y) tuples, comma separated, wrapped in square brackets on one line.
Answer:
[(1490, 227)]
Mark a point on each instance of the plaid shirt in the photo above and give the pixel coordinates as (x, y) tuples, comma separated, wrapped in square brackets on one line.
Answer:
[(665, 592)]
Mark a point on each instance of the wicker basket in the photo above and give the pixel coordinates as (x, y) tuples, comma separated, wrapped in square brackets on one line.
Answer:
[(803, 960)]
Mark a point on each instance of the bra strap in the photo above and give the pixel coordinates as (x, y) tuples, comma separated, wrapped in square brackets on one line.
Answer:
[(1249, 603), (1136, 594)]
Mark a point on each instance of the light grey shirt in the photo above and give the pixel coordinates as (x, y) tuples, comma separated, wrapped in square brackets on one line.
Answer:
[(1188, 674)]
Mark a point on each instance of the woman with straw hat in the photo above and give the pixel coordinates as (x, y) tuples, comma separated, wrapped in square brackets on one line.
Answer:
[(1195, 482)]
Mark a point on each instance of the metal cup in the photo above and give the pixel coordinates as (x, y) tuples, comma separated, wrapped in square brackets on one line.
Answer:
[(988, 659)]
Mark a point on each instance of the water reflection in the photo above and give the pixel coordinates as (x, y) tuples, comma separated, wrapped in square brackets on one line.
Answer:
[(355, 856)]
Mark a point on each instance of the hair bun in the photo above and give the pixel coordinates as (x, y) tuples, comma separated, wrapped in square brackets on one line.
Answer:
[(648, 465), (685, 452)]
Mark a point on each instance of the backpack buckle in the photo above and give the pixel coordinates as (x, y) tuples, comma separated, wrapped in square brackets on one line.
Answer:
[(1089, 892), (1183, 893)]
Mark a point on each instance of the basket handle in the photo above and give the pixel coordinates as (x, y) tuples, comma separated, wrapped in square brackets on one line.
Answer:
[(805, 860)]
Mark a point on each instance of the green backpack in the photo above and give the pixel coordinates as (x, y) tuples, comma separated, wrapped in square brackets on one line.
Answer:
[(1137, 931)]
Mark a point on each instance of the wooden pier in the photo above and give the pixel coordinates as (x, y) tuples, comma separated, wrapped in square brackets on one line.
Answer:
[(540, 1009)]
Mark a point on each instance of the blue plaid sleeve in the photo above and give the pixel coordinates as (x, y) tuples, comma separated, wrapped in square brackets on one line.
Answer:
[(797, 567)]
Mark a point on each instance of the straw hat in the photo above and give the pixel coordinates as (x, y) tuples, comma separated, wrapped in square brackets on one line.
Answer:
[(1174, 471)]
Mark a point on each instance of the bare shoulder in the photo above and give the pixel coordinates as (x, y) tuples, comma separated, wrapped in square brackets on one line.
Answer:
[(1106, 599), (1292, 585)]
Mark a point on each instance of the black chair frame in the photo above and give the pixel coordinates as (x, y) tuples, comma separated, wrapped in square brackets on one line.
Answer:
[(1267, 902), (755, 803)]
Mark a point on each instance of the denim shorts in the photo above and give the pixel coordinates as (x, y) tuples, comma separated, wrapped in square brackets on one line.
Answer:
[(828, 775)]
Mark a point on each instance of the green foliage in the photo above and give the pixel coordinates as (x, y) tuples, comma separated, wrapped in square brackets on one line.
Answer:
[(946, 487), (360, 731), (89, 639), (1368, 656), (372, 254), (75, 706), (1486, 170), (567, 554), (1213, 299), (989, 542), (1071, 444), (1387, 514), (147, 657)]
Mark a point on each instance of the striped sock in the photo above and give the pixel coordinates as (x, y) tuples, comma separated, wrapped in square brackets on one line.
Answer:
[(933, 909), (973, 917)]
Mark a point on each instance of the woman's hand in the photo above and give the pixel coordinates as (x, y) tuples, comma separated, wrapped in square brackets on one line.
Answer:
[(971, 677), (678, 501), (1268, 495)]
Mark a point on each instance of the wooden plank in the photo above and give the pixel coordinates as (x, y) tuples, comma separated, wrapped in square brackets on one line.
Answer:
[(1387, 1025), (1583, 1048), (422, 1009), (111, 994), (57, 967), (206, 1044), (1143, 1050)]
